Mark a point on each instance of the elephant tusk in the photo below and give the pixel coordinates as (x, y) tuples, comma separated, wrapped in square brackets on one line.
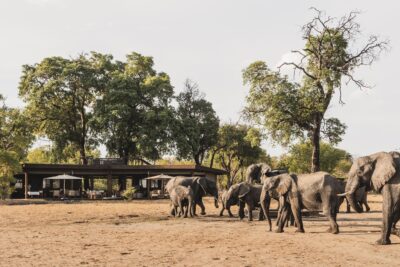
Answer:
[(343, 194)]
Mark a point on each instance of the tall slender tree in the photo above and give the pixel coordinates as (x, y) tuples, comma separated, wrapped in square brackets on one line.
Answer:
[(292, 110)]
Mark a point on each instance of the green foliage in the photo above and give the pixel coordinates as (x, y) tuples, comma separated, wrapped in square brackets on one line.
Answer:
[(15, 139), (68, 155), (134, 115), (9, 165), (100, 184), (60, 94), (196, 124), (238, 146), (15, 131), (39, 155), (333, 160), (129, 192), (297, 111)]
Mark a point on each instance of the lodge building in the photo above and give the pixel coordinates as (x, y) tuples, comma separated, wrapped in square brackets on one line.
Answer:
[(32, 180)]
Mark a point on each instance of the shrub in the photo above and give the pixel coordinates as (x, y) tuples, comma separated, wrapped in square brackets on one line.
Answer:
[(129, 192)]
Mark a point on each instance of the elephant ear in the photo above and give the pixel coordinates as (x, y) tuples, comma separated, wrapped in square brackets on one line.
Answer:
[(203, 184), (244, 189), (385, 169), (265, 169), (285, 184)]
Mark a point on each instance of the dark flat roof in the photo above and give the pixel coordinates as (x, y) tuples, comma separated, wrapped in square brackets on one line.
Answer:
[(33, 168)]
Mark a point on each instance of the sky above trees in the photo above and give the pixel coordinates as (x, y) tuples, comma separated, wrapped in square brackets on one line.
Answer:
[(209, 42)]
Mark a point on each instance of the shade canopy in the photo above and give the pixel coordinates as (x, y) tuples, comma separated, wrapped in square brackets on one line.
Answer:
[(160, 177), (63, 177)]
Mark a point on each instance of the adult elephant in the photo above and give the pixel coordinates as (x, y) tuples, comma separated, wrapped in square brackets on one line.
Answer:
[(255, 172), (315, 192), (248, 195), (201, 186), (378, 171)]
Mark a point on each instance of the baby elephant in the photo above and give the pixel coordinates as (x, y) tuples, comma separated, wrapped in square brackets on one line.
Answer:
[(182, 197)]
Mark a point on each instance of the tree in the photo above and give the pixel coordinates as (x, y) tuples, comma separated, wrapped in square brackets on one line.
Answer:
[(60, 94), (15, 139), (196, 124), (297, 110), (134, 115), (238, 146), (69, 155), (333, 160)]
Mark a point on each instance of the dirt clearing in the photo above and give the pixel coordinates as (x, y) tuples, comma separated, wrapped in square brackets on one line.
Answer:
[(142, 233)]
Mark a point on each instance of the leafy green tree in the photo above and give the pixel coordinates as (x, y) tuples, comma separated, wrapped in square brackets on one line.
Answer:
[(9, 165), (60, 94), (196, 124), (69, 155), (333, 160), (134, 115), (39, 155), (15, 139), (297, 110), (238, 146)]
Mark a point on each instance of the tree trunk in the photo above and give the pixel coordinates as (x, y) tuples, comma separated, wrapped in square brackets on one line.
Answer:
[(315, 160), (82, 154), (197, 159)]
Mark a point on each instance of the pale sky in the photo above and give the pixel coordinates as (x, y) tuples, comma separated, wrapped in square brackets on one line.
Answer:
[(210, 42)]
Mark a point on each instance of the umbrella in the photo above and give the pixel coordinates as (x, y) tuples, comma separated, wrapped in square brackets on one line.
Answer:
[(160, 177), (63, 177)]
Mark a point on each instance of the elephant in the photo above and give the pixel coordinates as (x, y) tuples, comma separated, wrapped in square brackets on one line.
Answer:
[(247, 194), (315, 191), (255, 172), (378, 171), (226, 205), (201, 186), (182, 197), (360, 196)]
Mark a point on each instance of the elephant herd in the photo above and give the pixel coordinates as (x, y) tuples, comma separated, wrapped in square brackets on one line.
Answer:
[(317, 191)]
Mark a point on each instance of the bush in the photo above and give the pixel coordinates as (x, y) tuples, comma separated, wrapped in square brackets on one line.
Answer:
[(129, 192)]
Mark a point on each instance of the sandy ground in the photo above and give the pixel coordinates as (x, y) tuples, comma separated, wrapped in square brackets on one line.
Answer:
[(141, 233)]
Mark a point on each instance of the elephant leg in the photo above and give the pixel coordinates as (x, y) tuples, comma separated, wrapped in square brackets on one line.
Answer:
[(367, 208), (203, 209), (265, 200), (329, 206), (295, 211), (347, 206), (250, 208), (387, 217), (282, 218), (229, 212), (194, 208), (281, 206), (180, 209), (261, 216), (241, 209), (292, 223), (221, 213)]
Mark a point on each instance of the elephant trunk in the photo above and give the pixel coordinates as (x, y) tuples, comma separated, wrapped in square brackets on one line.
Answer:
[(350, 195)]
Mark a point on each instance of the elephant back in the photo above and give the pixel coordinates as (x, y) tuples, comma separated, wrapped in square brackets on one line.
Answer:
[(179, 180)]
